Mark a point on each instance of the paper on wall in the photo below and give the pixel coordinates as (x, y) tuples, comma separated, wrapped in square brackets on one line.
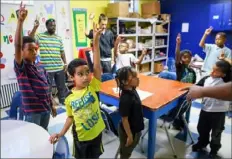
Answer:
[(185, 28), (142, 94)]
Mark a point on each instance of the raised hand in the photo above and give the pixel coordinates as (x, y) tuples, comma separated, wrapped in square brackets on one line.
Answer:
[(178, 39), (36, 23), (208, 31), (222, 55), (91, 16), (22, 14), (96, 31), (144, 51)]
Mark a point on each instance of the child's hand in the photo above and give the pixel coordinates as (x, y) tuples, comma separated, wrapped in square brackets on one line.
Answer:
[(178, 39), (54, 138), (36, 23), (129, 141), (91, 16), (208, 31), (22, 14), (222, 55), (96, 32), (118, 40), (54, 113), (144, 51)]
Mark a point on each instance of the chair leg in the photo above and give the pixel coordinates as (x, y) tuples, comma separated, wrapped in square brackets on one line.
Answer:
[(186, 125), (116, 155), (170, 141), (142, 137)]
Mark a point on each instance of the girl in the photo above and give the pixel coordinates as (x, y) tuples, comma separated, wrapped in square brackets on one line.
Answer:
[(130, 109), (212, 116)]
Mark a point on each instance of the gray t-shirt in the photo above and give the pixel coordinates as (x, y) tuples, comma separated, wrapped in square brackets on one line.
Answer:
[(211, 104)]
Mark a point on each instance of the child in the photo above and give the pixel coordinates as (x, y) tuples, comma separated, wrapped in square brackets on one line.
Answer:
[(122, 57), (184, 74), (82, 106), (212, 116), (131, 111), (183, 58), (214, 51), (32, 79)]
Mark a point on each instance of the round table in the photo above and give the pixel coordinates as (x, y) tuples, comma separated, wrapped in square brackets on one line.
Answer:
[(20, 139)]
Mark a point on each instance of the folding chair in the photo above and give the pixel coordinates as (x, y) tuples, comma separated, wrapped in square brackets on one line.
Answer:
[(180, 111)]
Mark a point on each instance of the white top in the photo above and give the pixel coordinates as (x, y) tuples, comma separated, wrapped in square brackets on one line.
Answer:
[(20, 139), (126, 59), (211, 104)]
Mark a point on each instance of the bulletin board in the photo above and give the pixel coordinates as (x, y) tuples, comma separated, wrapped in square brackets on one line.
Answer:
[(80, 24), (44, 10)]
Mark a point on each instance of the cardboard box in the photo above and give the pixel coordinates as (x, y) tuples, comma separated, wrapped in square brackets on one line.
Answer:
[(119, 9), (134, 15), (166, 17), (150, 8), (160, 29), (158, 67), (144, 68)]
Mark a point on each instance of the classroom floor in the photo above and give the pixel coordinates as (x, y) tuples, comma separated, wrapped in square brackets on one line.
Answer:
[(163, 149)]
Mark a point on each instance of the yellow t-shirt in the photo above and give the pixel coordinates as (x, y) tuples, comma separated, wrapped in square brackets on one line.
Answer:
[(83, 105)]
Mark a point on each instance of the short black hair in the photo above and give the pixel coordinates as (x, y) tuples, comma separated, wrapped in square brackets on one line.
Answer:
[(49, 20), (74, 64), (185, 52), (222, 34), (102, 17), (226, 69), (27, 39)]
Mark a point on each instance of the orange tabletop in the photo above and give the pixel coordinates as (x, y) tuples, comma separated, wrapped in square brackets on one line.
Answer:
[(164, 91)]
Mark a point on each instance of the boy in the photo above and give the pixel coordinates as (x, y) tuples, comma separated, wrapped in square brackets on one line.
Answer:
[(32, 79), (214, 51), (82, 106), (122, 57)]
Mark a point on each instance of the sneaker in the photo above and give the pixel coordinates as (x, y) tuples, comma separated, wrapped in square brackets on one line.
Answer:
[(197, 147), (213, 155)]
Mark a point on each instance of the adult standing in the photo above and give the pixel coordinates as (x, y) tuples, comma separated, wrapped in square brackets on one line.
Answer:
[(52, 56), (106, 42)]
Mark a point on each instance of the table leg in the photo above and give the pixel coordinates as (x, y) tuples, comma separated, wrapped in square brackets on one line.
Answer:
[(152, 136)]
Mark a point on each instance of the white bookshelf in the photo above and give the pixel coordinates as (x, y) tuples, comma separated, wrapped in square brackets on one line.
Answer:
[(153, 36)]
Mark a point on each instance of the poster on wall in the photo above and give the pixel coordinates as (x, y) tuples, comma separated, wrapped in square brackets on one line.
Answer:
[(80, 24)]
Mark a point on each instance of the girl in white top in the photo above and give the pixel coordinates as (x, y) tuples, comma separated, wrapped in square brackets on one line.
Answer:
[(121, 56), (212, 116)]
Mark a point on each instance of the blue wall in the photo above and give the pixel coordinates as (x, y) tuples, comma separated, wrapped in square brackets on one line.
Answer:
[(196, 13)]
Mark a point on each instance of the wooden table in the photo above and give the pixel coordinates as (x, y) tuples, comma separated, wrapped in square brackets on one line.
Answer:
[(20, 139), (165, 97)]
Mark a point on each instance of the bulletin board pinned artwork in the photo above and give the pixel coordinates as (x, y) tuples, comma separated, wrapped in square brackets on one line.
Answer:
[(80, 24)]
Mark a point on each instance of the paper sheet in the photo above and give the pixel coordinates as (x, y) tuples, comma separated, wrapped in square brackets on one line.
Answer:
[(142, 94), (185, 27)]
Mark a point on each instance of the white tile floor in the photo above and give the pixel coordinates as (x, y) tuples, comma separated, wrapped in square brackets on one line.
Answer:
[(163, 148)]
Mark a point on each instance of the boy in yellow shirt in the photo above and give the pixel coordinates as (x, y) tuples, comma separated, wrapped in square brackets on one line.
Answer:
[(82, 106)]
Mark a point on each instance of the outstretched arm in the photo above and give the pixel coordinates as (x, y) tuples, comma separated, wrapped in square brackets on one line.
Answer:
[(207, 32), (22, 14), (178, 42)]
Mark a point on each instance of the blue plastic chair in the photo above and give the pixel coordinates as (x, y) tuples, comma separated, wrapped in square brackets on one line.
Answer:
[(16, 105), (62, 149)]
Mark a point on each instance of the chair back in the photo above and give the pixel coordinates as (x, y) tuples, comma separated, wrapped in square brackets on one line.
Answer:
[(62, 149), (16, 104)]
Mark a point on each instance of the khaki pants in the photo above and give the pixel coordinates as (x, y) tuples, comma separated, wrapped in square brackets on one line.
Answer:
[(125, 152)]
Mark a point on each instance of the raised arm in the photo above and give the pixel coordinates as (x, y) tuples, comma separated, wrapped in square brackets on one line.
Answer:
[(144, 52), (22, 14), (96, 55), (36, 25), (207, 32), (116, 47), (91, 17), (178, 42)]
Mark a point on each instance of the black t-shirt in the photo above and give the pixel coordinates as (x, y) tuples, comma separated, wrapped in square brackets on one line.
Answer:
[(180, 69), (130, 106)]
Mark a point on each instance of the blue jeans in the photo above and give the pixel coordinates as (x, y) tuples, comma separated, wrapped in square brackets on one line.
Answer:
[(41, 119), (168, 75)]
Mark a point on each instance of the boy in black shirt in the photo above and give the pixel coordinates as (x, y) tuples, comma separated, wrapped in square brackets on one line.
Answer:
[(131, 111)]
